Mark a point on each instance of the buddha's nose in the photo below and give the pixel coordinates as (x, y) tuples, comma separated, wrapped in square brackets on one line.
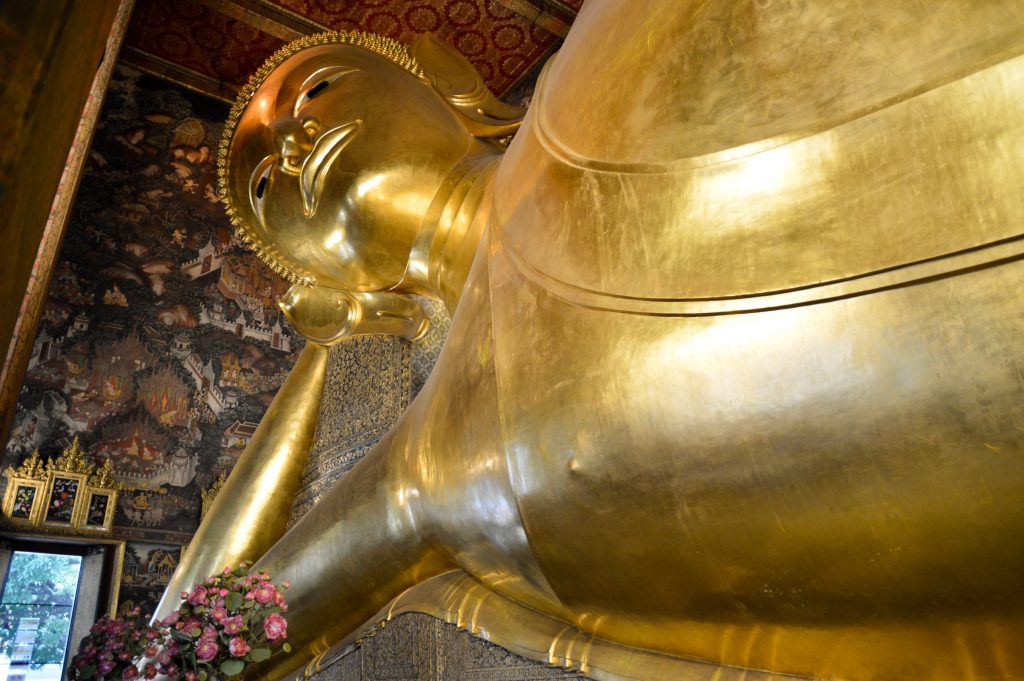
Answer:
[(292, 140)]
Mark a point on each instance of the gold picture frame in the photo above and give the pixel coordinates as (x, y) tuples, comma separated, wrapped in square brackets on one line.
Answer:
[(63, 499), (98, 509), (23, 500), (68, 493)]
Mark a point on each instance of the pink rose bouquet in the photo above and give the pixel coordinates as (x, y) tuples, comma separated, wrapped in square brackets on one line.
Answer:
[(113, 646), (228, 622)]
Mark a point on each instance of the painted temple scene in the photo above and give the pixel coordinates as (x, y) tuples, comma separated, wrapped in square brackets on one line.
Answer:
[(161, 344)]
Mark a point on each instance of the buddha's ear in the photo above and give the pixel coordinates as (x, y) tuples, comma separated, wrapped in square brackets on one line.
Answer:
[(460, 84)]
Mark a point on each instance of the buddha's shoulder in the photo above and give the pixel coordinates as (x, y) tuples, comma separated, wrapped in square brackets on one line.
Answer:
[(654, 81), (716, 151)]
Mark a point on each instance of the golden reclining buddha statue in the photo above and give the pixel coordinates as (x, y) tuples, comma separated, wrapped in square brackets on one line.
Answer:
[(734, 386)]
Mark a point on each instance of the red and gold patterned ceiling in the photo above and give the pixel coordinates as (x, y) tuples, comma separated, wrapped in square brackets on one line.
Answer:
[(213, 45)]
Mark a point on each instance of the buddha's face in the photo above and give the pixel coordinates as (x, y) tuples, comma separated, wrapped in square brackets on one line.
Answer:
[(336, 159)]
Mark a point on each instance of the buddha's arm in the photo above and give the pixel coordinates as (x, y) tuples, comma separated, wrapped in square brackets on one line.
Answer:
[(251, 511), (352, 553)]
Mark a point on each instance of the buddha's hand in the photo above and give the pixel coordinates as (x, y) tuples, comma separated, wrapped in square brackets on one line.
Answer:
[(325, 315)]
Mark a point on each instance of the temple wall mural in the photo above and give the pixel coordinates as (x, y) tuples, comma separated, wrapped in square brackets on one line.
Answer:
[(161, 345), (144, 574)]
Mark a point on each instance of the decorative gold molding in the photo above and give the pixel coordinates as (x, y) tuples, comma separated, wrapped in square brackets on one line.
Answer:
[(267, 17), (538, 14), (38, 495), (179, 75), (210, 493)]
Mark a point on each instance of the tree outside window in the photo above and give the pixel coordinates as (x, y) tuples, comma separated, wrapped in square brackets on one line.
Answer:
[(40, 590)]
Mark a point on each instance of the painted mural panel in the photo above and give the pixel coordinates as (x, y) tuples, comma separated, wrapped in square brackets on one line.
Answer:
[(145, 573), (161, 343)]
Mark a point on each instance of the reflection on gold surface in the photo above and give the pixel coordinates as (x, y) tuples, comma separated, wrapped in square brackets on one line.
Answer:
[(734, 374)]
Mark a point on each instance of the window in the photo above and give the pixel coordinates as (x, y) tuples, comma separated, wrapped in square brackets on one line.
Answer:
[(36, 612)]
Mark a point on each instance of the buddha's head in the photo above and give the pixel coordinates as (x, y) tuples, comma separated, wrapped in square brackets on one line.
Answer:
[(336, 149)]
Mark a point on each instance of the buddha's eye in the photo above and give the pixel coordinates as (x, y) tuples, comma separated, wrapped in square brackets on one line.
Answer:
[(318, 83), (317, 89), (258, 185)]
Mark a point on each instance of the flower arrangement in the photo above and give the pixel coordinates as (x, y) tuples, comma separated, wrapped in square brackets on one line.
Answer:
[(228, 621), (223, 624), (113, 646)]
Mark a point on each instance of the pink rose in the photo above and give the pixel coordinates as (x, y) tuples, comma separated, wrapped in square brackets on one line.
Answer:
[(171, 619), (275, 627), (198, 595), (208, 632), (150, 672), (233, 625), (106, 666), (191, 676), (263, 594), (206, 649), (238, 647), (219, 614), (129, 673), (151, 651), (164, 657)]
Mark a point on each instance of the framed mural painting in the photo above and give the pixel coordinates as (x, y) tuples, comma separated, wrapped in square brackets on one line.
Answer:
[(26, 489), (64, 499), (98, 512), (67, 493), (23, 500)]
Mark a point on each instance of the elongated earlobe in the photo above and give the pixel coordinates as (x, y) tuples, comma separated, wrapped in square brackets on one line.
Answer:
[(464, 89)]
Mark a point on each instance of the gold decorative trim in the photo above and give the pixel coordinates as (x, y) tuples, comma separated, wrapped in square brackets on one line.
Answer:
[(71, 460), (178, 75), (397, 52), (41, 480), (210, 493), (31, 468)]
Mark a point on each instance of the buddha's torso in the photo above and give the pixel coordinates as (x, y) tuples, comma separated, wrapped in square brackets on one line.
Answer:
[(744, 375)]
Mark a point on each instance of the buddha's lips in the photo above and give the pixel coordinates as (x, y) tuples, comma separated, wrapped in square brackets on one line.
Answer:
[(318, 163)]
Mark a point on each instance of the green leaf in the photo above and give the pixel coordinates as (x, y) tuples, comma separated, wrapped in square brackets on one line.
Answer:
[(259, 654), (87, 671), (202, 676), (231, 667), (287, 647), (233, 601), (249, 604), (273, 610), (195, 633)]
